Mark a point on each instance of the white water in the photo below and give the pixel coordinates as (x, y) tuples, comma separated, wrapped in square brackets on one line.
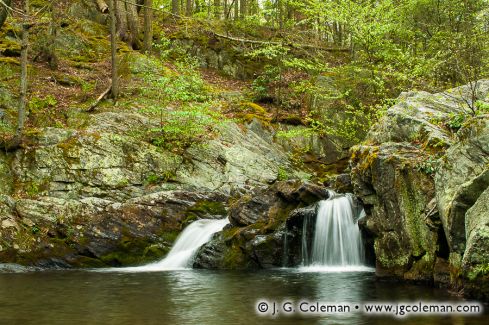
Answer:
[(337, 244), (186, 245)]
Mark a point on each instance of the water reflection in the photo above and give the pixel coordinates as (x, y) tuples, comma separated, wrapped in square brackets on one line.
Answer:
[(198, 297)]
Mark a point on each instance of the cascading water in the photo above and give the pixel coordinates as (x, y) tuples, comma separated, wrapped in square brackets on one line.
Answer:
[(337, 241), (188, 242)]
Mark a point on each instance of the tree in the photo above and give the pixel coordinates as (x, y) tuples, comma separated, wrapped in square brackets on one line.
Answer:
[(4, 10), (148, 25), (113, 43), (189, 8), (217, 9), (243, 7), (175, 7), (48, 48), (23, 73), (127, 22)]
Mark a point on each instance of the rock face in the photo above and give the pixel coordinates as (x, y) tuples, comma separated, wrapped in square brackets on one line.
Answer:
[(423, 180), (265, 229), (397, 198), (476, 256), (103, 196), (462, 177)]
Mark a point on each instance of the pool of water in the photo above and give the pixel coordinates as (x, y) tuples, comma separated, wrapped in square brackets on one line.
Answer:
[(204, 297)]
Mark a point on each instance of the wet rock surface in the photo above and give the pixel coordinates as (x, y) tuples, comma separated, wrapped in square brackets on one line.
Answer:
[(265, 230)]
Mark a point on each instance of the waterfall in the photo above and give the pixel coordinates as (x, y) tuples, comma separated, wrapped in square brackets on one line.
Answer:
[(186, 245), (337, 241)]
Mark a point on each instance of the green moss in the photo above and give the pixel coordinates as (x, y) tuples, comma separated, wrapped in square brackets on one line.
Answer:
[(70, 147), (233, 258), (249, 117), (363, 157), (292, 119), (282, 174), (205, 208), (230, 233), (9, 60), (9, 47)]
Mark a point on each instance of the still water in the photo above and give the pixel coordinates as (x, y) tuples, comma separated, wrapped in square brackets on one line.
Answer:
[(201, 297)]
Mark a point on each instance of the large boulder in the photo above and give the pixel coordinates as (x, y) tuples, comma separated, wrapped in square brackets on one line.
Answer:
[(265, 229), (401, 215), (475, 261), (419, 171), (462, 176)]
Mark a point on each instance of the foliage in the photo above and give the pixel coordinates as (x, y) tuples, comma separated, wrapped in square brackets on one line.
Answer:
[(429, 166), (282, 174), (456, 121), (190, 124)]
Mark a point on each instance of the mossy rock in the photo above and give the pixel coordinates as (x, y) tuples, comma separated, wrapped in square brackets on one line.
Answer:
[(234, 259), (291, 119), (9, 47)]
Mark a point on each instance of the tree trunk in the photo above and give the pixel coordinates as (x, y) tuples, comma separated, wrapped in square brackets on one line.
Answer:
[(242, 8), (4, 11), (148, 25), (120, 12), (217, 9), (23, 72), (133, 24), (113, 44), (189, 8), (236, 9), (280, 14), (175, 7), (53, 31)]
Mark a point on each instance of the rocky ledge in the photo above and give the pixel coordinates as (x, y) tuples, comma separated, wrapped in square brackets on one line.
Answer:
[(104, 195)]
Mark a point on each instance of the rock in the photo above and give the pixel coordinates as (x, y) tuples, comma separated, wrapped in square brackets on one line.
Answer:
[(396, 196), (419, 116), (105, 165), (475, 260), (340, 183), (97, 232), (463, 175), (6, 177), (312, 147), (266, 228), (422, 186), (271, 204), (103, 196), (236, 162), (15, 268)]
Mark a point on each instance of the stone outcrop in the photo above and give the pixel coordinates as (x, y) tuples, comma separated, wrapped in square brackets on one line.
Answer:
[(423, 179), (461, 178), (401, 215), (103, 195)]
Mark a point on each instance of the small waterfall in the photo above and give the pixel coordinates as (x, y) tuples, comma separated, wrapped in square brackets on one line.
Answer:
[(186, 245), (337, 241)]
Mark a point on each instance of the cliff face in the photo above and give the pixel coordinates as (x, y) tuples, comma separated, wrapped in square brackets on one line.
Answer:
[(423, 178)]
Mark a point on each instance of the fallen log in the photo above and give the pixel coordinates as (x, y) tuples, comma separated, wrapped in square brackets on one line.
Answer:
[(99, 99)]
